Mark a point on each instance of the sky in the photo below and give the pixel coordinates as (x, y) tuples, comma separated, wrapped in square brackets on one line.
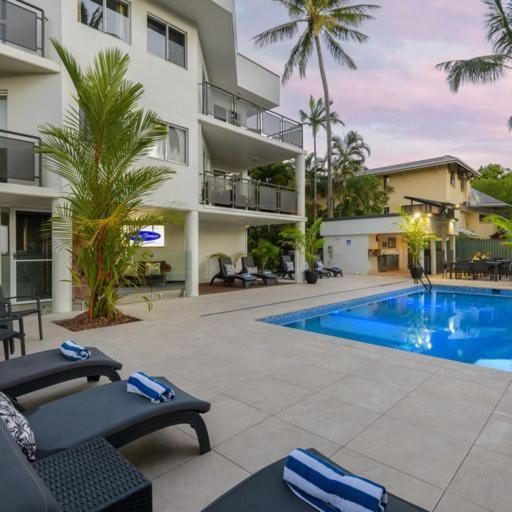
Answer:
[(397, 99)]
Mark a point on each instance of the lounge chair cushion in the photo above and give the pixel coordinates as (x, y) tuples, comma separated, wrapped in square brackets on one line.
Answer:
[(266, 491), (19, 370), (289, 266), (101, 411), (18, 427), (229, 269), (21, 488), (252, 270)]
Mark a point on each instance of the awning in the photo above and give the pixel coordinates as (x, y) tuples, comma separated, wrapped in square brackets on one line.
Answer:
[(468, 233)]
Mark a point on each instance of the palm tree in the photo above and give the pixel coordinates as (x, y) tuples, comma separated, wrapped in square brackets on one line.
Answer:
[(327, 21), (486, 69), (97, 151), (350, 153), (316, 119)]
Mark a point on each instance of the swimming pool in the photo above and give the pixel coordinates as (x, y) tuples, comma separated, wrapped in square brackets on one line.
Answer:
[(470, 325)]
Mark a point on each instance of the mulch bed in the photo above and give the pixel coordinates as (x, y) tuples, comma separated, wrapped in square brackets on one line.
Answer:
[(82, 322)]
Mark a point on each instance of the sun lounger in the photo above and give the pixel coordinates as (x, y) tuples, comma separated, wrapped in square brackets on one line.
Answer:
[(249, 267), (331, 271), (287, 267), (266, 491), (25, 374), (109, 411), (228, 274)]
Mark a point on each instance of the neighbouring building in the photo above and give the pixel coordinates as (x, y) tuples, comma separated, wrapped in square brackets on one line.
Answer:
[(218, 105), (440, 187)]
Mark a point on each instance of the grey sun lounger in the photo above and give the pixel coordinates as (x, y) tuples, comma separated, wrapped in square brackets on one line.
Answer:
[(228, 274), (22, 375), (111, 412), (265, 491), (248, 266)]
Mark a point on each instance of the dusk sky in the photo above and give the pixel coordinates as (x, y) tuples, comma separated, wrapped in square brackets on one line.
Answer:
[(397, 99)]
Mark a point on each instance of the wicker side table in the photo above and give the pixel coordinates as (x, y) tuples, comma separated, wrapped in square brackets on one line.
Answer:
[(94, 477)]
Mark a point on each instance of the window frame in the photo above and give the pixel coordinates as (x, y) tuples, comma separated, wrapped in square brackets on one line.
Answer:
[(167, 149), (452, 179), (167, 27), (103, 29)]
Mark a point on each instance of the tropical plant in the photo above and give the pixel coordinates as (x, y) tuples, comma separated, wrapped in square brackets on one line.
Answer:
[(265, 252), (321, 21), (308, 241), (504, 226), (350, 153), (363, 195), (496, 181), (97, 151), (280, 173), (416, 233), (315, 118), (486, 69)]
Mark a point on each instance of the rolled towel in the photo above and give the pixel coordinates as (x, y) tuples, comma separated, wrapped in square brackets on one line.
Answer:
[(74, 352), (154, 389), (327, 488)]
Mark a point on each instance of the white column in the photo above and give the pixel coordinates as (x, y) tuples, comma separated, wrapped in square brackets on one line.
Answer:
[(62, 287), (453, 247), (300, 180), (300, 264), (444, 246), (192, 249), (433, 257)]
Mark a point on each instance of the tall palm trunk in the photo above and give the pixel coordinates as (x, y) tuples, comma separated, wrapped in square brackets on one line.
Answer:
[(315, 179), (327, 100)]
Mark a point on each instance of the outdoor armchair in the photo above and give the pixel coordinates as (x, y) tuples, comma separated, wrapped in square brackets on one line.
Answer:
[(6, 306)]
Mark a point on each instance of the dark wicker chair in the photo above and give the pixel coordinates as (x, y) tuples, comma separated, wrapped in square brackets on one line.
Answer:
[(266, 491), (332, 271), (32, 372), (6, 306), (228, 274), (481, 269), (287, 267), (248, 267)]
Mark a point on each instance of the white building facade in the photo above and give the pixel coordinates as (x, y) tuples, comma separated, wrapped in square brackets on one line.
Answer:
[(219, 107)]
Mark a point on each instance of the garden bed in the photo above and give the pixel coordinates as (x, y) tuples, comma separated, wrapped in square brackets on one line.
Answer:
[(82, 322)]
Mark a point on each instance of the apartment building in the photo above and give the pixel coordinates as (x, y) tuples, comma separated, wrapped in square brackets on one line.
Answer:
[(219, 107), (439, 187)]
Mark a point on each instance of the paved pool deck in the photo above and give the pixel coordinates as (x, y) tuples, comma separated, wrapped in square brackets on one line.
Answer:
[(435, 432)]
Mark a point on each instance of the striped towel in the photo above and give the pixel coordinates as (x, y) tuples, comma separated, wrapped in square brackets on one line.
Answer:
[(329, 489), (74, 352), (142, 384)]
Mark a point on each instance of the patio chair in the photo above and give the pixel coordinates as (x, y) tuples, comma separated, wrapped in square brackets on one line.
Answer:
[(287, 267), (32, 372), (481, 269), (229, 275), (266, 491), (111, 412), (332, 271), (6, 305), (92, 477), (248, 267), (463, 268)]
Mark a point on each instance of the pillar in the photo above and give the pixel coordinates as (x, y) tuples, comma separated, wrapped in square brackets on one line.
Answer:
[(192, 250), (300, 181), (62, 287), (433, 257), (453, 247), (444, 247)]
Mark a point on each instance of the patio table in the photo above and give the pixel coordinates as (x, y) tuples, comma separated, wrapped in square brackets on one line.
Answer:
[(495, 265)]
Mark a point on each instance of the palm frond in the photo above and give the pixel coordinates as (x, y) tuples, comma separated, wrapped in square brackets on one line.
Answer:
[(277, 34), (337, 52), (499, 30), (299, 57)]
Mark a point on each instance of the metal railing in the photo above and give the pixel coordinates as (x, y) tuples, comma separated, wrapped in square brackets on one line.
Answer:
[(229, 108), (22, 25), (231, 191), (19, 162)]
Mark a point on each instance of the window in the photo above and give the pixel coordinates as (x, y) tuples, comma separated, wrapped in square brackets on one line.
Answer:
[(174, 147), (109, 16), (462, 184), (386, 181), (167, 42), (482, 217), (3, 110), (452, 178)]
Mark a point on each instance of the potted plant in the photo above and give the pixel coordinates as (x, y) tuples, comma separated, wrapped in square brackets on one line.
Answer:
[(415, 232), (264, 252), (309, 242)]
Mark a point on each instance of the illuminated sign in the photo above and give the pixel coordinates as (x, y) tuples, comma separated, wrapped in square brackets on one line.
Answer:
[(151, 236)]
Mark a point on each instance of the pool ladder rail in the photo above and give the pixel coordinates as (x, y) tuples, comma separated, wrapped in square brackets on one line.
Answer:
[(424, 280)]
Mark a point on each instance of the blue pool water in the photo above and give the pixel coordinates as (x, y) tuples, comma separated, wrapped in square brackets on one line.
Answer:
[(468, 327)]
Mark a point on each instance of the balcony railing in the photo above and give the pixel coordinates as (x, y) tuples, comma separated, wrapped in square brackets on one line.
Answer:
[(232, 109), (22, 25), (19, 162), (231, 191)]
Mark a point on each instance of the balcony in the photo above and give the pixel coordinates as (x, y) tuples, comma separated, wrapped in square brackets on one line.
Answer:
[(22, 25), (231, 191), (229, 108), (19, 162)]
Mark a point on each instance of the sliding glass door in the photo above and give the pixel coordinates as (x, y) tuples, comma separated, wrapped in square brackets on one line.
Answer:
[(5, 253)]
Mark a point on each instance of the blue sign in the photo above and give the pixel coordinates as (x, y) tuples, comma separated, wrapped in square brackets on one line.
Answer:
[(349, 242), (146, 236)]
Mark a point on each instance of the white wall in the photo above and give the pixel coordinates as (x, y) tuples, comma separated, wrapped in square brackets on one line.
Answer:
[(350, 252)]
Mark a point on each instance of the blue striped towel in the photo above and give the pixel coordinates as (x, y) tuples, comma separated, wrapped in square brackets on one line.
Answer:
[(329, 489), (142, 384), (74, 352)]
